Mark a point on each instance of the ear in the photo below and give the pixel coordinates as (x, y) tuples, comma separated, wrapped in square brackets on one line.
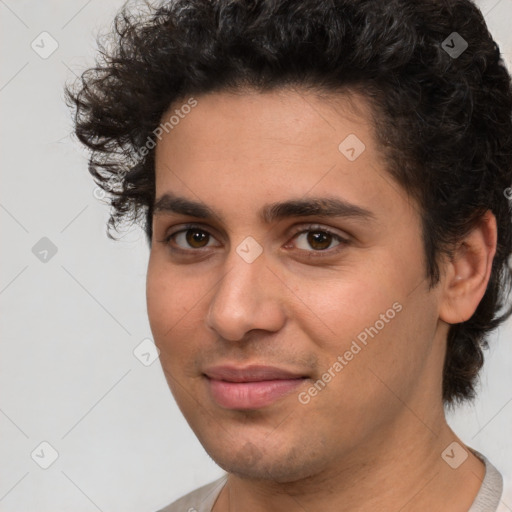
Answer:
[(467, 272)]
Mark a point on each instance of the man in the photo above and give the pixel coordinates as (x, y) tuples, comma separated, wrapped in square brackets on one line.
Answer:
[(324, 186)]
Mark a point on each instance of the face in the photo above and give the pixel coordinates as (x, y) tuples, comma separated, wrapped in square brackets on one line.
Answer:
[(333, 303)]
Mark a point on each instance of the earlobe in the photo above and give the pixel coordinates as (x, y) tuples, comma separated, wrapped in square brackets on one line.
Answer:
[(468, 271)]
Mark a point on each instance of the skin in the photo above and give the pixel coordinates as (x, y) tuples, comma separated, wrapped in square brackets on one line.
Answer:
[(373, 437)]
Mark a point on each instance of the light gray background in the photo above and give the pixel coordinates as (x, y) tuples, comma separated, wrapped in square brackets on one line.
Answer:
[(68, 375)]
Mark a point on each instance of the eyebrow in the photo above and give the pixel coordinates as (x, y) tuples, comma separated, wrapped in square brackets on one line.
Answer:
[(318, 206)]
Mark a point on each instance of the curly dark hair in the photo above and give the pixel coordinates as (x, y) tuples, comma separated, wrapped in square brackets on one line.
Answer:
[(443, 121)]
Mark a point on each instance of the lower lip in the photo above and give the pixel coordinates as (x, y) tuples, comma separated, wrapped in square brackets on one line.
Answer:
[(250, 395)]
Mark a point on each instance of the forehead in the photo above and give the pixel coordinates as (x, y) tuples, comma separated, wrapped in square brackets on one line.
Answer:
[(249, 128), (244, 146), (248, 107)]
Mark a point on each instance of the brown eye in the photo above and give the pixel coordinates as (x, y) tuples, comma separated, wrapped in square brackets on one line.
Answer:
[(319, 240), (196, 237), (189, 238)]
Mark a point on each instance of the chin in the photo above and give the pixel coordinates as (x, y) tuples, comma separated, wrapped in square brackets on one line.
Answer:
[(249, 461)]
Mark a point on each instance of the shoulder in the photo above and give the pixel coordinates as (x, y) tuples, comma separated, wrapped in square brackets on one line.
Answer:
[(199, 500), (506, 497), (491, 490)]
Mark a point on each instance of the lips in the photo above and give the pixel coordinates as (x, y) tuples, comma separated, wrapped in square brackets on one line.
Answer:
[(250, 373), (252, 387)]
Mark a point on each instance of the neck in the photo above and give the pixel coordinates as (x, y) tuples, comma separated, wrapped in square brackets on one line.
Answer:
[(401, 469)]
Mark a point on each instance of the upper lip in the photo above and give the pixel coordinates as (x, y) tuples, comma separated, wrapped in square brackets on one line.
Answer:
[(253, 373)]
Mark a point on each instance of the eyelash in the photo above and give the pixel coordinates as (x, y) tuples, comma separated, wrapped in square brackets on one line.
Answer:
[(311, 228)]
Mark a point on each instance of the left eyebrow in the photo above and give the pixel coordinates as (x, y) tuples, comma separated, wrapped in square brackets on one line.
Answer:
[(318, 206)]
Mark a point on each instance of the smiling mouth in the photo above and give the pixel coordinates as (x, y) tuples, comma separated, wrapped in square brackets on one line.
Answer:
[(251, 387), (251, 395), (251, 373)]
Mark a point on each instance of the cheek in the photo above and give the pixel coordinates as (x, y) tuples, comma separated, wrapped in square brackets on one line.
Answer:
[(159, 301), (336, 308), (369, 314), (166, 303), (385, 340), (176, 307)]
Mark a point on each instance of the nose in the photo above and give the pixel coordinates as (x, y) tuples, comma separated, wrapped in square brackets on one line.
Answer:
[(247, 297)]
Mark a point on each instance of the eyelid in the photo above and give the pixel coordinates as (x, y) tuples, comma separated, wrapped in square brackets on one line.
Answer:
[(318, 227)]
